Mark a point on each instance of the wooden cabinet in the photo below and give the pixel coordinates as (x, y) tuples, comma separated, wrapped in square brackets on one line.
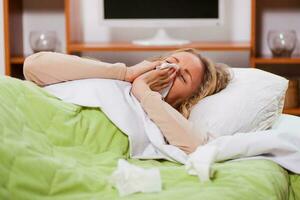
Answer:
[(16, 14), (14, 26), (276, 15)]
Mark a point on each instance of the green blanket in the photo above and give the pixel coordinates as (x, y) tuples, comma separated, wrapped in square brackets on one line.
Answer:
[(50, 149)]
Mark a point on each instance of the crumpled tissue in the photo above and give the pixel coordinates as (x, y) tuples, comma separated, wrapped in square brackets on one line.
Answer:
[(129, 179), (199, 162), (164, 92)]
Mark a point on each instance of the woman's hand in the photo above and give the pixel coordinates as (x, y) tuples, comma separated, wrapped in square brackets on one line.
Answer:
[(154, 80), (136, 70)]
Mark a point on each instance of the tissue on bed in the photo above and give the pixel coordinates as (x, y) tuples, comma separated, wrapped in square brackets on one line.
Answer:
[(129, 179), (200, 161)]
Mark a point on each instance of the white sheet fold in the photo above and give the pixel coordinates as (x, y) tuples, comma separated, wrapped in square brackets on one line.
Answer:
[(124, 110), (129, 179), (280, 146), (147, 142)]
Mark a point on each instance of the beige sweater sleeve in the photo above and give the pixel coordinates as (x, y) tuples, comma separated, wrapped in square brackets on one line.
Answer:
[(177, 130), (45, 68)]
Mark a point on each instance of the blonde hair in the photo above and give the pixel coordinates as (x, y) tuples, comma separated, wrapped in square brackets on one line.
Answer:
[(216, 77)]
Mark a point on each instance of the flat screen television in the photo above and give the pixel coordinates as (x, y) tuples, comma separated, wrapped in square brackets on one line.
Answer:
[(162, 14)]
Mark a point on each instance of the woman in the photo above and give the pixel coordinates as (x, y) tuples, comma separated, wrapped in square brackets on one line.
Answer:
[(196, 78)]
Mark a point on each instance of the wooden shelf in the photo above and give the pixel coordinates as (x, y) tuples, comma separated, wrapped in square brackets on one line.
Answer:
[(292, 111), (271, 60), (17, 60), (128, 46)]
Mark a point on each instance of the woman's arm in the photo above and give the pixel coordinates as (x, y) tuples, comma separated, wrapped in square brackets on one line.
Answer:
[(177, 130), (46, 68)]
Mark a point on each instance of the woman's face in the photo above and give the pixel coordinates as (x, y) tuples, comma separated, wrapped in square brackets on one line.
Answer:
[(189, 76)]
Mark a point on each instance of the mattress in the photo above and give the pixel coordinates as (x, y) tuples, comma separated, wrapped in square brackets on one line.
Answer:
[(50, 149)]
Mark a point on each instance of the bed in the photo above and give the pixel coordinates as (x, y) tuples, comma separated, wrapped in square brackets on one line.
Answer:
[(50, 149)]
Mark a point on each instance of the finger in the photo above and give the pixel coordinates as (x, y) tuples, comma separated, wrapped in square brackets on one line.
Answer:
[(154, 76), (172, 70), (147, 65), (158, 75), (158, 84), (170, 78), (161, 87), (164, 86), (155, 86), (167, 81), (155, 64), (166, 72)]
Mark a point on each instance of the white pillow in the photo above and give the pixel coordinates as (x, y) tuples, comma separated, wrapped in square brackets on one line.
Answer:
[(252, 101)]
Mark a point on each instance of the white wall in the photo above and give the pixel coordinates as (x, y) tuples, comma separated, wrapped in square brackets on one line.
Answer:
[(2, 58), (236, 28)]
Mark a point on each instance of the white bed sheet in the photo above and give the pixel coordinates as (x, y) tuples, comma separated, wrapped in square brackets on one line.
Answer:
[(281, 144), (287, 123)]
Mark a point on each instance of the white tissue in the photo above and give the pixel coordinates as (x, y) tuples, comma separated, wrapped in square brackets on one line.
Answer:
[(129, 179), (166, 90), (166, 65), (199, 162)]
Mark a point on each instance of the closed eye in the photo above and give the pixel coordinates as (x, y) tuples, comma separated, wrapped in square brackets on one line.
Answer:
[(183, 79), (173, 60), (169, 61)]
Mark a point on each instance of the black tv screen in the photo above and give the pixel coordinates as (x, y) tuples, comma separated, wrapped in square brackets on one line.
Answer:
[(161, 9)]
